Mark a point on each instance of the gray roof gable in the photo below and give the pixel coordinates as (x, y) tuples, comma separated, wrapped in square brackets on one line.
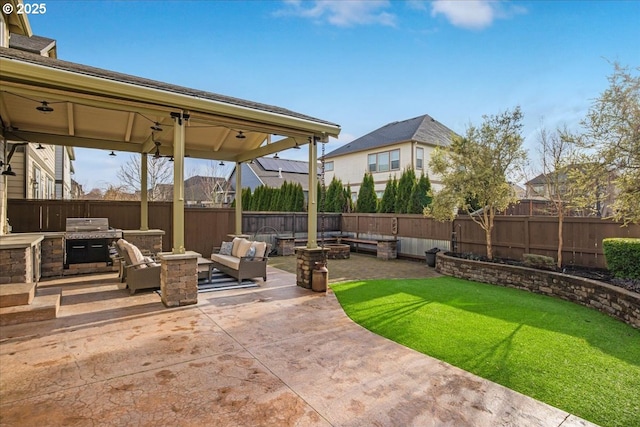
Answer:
[(423, 129), (34, 44)]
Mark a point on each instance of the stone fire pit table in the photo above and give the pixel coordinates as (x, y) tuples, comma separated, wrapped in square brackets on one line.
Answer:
[(338, 250)]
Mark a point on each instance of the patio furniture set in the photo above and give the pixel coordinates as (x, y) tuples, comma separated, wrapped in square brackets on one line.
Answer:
[(240, 258)]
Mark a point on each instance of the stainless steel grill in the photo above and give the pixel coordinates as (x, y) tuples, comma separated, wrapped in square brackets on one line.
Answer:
[(88, 240)]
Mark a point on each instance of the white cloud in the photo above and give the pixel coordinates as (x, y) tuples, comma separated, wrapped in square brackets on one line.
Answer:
[(342, 13), (474, 14)]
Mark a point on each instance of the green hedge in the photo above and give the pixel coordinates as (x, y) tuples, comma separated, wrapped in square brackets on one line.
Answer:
[(623, 257)]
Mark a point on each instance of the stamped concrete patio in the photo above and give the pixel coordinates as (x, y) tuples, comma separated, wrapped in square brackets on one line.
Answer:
[(277, 355)]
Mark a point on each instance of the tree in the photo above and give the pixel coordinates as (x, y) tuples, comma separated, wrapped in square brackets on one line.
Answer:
[(557, 154), (348, 201), (367, 199), (611, 139), (113, 192), (405, 186), (159, 171), (388, 202), (331, 199), (420, 196), (477, 166), (298, 205)]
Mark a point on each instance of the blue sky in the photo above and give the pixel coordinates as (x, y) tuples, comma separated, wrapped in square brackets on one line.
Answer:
[(361, 64)]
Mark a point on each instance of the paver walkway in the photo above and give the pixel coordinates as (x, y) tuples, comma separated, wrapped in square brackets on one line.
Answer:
[(278, 355)]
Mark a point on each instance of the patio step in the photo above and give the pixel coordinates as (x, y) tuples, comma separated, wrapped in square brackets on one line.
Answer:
[(44, 306), (12, 294)]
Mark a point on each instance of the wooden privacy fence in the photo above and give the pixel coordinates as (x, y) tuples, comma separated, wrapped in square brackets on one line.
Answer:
[(515, 235), (206, 227)]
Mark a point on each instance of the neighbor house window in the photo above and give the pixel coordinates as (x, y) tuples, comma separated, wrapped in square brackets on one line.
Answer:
[(373, 162), (419, 158), (328, 166), (384, 161)]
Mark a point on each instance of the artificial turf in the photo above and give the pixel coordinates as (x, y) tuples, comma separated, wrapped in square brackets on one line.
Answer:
[(569, 356)]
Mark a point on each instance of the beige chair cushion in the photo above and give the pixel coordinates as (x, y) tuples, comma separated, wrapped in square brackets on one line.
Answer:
[(135, 255), (243, 247), (236, 243), (261, 247), (228, 260)]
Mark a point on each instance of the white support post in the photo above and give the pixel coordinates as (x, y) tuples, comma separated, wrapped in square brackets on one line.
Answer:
[(238, 212), (312, 210), (178, 184), (144, 190)]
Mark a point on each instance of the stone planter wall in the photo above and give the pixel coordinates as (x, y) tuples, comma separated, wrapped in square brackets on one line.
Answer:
[(611, 300)]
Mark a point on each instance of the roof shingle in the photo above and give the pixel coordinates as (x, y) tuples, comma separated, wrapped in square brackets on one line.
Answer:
[(423, 129)]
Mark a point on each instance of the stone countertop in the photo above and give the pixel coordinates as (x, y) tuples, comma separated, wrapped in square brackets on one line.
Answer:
[(151, 232), (20, 240)]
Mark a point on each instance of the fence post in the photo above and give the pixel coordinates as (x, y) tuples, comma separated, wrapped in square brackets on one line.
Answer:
[(526, 236)]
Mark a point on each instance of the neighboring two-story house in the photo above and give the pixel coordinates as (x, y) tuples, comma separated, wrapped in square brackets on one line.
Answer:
[(554, 185), (387, 151), (272, 172)]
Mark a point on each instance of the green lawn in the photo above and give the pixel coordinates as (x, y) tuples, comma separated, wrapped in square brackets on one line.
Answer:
[(574, 358)]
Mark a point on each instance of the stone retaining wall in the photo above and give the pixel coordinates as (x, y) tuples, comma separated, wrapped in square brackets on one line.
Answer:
[(611, 300)]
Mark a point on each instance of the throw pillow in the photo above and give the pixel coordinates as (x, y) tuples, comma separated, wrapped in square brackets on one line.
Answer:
[(226, 248), (251, 252)]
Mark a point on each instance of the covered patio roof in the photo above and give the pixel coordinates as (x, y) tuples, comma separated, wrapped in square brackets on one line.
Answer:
[(95, 108)]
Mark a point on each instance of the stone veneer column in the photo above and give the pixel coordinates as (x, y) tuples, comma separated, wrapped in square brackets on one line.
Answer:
[(179, 278), (387, 249), (306, 261)]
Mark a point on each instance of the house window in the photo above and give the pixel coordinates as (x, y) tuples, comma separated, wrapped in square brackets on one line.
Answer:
[(395, 159), (419, 158), (35, 183), (373, 162), (328, 166), (50, 188), (384, 161)]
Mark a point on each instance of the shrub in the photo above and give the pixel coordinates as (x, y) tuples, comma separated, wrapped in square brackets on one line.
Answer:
[(539, 261), (623, 257)]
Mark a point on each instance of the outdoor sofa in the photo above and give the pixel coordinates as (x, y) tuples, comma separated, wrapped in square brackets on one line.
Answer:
[(242, 259)]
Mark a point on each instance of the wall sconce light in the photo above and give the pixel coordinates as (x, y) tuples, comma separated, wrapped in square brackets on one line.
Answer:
[(7, 171), (221, 163), (44, 107), (171, 159), (39, 147), (112, 153), (240, 135), (276, 156), (156, 127)]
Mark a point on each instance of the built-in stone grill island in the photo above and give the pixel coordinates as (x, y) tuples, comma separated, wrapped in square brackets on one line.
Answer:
[(88, 241)]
